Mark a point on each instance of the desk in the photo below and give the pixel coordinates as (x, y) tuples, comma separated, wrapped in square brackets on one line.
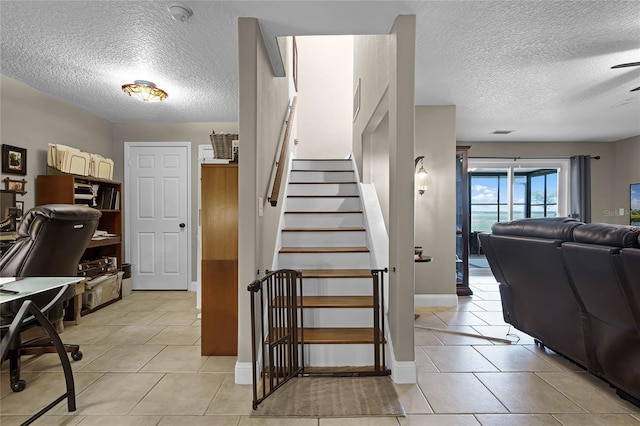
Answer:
[(28, 288)]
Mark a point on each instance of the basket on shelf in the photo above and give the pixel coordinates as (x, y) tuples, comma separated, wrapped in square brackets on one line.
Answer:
[(222, 144)]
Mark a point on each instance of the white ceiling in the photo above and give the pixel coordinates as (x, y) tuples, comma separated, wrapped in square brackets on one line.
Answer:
[(539, 68)]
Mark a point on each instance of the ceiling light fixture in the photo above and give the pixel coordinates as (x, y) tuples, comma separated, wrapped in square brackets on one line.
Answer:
[(144, 90)]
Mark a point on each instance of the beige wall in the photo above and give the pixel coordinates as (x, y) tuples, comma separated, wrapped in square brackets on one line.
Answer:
[(385, 67), (263, 105), (196, 133), (626, 171), (375, 157), (32, 119), (435, 210), (325, 96), (371, 58)]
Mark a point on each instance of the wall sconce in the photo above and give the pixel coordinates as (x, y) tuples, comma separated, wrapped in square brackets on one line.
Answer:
[(423, 180)]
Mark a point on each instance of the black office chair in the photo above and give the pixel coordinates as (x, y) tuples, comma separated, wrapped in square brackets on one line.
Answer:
[(52, 239)]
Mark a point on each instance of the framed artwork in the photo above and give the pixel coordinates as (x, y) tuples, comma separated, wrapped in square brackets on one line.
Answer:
[(356, 101), (295, 64), (14, 160), (17, 186), (634, 204)]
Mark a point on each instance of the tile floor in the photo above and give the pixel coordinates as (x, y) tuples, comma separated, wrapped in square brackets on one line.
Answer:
[(142, 366)]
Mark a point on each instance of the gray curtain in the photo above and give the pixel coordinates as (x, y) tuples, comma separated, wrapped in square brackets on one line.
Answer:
[(581, 188)]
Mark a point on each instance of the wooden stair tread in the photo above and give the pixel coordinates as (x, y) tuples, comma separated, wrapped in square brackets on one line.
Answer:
[(324, 250), (322, 170), (322, 159), (339, 370), (346, 335), (323, 183), (323, 211), (331, 335), (328, 302), (341, 229), (336, 273), (322, 196)]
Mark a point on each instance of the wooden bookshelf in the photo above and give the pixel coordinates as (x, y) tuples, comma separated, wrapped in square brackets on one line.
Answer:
[(61, 188)]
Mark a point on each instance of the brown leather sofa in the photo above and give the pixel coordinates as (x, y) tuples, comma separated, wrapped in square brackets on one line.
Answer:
[(575, 288)]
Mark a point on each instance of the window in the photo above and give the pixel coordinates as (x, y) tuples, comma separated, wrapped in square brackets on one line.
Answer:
[(543, 196), (535, 194)]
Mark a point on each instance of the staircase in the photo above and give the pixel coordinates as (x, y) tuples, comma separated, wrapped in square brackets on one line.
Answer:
[(324, 236)]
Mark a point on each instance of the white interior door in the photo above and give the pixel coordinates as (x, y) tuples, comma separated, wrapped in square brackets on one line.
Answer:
[(157, 213)]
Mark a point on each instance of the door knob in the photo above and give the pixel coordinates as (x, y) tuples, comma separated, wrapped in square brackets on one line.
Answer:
[(182, 225)]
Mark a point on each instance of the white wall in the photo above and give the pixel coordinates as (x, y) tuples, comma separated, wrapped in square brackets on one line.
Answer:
[(325, 96)]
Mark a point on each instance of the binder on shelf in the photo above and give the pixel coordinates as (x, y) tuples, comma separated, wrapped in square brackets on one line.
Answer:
[(107, 198), (116, 201)]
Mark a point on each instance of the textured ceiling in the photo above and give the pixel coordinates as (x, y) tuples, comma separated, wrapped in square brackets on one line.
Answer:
[(540, 68)]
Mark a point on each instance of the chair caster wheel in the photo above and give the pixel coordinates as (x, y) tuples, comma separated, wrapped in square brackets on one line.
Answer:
[(18, 386), (76, 356)]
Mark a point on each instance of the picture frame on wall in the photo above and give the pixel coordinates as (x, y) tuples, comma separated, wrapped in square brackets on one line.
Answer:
[(295, 64), (634, 204), (20, 207), (14, 160), (17, 186)]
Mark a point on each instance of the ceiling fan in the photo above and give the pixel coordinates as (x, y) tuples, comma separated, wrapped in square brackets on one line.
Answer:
[(630, 64)]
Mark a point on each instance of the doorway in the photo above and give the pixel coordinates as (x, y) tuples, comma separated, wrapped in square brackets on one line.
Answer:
[(157, 212)]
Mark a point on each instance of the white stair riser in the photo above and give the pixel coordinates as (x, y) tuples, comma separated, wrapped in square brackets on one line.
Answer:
[(324, 260), (322, 165), (338, 317), (324, 239), (322, 176), (322, 220), (337, 286), (323, 189), (331, 355), (324, 204)]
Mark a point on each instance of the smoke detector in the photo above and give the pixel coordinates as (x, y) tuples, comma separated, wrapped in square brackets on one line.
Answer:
[(180, 12)]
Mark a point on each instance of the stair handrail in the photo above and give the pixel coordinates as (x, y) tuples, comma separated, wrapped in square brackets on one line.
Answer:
[(277, 170)]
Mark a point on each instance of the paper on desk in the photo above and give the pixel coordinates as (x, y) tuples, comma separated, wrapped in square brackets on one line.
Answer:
[(6, 280)]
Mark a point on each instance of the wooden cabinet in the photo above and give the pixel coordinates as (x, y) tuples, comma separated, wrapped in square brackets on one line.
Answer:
[(462, 222), (219, 224)]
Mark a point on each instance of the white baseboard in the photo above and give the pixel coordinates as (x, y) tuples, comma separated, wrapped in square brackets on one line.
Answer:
[(435, 300), (192, 286), (401, 371), (244, 373)]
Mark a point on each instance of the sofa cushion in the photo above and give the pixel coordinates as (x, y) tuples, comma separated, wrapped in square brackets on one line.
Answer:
[(608, 235), (556, 228)]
